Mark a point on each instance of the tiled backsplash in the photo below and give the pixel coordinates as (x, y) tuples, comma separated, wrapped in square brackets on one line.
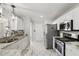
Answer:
[(73, 34)]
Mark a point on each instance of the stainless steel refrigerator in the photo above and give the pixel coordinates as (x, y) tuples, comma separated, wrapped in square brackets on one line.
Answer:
[(51, 31)]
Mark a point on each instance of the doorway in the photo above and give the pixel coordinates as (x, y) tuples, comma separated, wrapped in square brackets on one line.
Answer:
[(38, 32)]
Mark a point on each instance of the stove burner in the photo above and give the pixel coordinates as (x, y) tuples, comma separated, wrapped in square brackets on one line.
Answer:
[(66, 39)]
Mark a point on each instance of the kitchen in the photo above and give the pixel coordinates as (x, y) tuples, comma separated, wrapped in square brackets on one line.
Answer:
[(28, 29), (69, 34)]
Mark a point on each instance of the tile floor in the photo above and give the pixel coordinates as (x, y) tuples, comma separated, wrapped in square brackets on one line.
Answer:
[(38, 49)]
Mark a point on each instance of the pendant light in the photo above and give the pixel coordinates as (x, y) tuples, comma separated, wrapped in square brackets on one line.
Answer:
[(13, 13), (0, 9), (13, 6)]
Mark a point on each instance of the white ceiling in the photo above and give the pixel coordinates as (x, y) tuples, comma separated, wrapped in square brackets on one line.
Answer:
[(51, 11)]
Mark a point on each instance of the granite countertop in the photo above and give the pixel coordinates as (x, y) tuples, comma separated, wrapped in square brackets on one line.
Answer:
[(19, 48), (2, 45)]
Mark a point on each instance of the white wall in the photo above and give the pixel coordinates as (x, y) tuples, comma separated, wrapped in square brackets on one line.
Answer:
[(16, 23), (13, 23), (31, 30), (38, 31), (20, 25), (26, 25), (73, 14)]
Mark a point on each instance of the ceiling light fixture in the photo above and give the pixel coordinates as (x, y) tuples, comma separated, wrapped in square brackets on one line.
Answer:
[(13, 13), (41, 16), (13, 6), (0, 10)]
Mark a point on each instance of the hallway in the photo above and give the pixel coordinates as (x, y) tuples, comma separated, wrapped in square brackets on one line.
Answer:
[(38, 49)]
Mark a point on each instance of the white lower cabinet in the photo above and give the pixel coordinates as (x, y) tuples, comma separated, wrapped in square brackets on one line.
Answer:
[(72, 49)]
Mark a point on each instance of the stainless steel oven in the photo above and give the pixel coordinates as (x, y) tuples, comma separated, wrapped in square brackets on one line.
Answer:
[(60, 47), (60, 43)]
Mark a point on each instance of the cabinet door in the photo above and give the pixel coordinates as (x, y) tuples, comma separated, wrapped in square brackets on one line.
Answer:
[(72, 50)]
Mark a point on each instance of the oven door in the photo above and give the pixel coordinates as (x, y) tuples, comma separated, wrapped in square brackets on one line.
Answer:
[(60, 47)]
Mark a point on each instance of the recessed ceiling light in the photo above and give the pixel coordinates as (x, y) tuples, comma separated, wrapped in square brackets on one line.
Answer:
[(41, 16)]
